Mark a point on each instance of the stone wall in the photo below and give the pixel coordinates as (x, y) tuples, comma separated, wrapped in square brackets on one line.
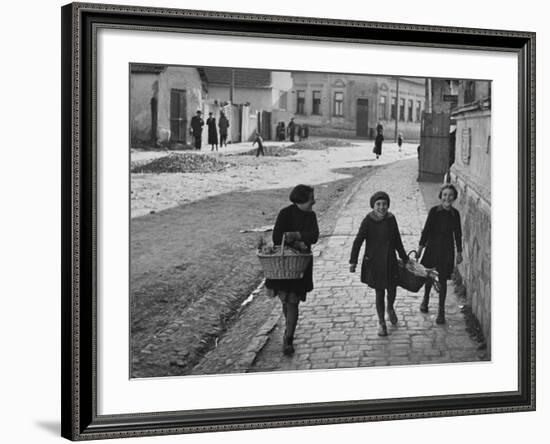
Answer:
[(475, 271)]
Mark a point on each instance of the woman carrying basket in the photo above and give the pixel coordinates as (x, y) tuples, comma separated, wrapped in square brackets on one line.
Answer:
[(379, 270), (298, 223), (439, 236)]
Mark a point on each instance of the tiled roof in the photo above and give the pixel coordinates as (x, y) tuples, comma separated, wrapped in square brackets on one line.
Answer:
[(244, 78), (148, 69)]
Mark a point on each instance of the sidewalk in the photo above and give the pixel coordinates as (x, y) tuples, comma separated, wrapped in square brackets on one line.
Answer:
[(338, 323)]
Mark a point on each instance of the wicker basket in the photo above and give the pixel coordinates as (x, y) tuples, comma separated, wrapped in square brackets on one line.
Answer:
[(279, 266), (406, 279)]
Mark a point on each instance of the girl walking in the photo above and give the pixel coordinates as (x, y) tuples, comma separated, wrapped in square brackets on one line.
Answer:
[(380, 233), (299, 224), (441, 233)]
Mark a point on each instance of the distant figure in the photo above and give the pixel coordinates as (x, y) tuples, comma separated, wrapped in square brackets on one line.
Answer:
[(378, 145), (399, 140), (212, 132), (196, 127), (291, 129), (258, 139), (281, 131), (300, 131), (223, 124), (306, 131)]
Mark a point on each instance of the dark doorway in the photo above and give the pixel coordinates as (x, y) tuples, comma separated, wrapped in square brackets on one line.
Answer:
[(266, 125), (362, 118), (178, 115)]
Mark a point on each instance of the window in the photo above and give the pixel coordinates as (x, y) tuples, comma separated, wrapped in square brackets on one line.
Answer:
[(382, 108), (418, 111), (339, 104), (393, 108), (410, 111), (469, 91), (316, 108), (402, 109), (283, 97), (301, 102)]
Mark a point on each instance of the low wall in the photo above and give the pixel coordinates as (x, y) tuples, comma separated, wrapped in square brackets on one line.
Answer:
[(475, 211)]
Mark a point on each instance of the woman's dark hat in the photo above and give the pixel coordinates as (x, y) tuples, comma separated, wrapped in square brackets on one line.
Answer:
[(379, 195)]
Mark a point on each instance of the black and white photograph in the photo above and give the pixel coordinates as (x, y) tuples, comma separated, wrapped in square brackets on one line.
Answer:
[(296, 220)]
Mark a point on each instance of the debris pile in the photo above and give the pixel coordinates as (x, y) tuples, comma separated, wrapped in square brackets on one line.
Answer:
[(322, 144), (181, 163), (271, 150)]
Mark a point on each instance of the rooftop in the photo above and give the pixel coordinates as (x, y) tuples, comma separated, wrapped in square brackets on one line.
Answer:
[(244, 78)]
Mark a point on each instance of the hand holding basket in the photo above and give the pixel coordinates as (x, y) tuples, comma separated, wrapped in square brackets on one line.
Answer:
[(284, 266)]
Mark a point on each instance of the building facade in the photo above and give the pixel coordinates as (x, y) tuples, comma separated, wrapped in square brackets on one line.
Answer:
[(261, 96), (163, 99), (346, 105), (471, 174)]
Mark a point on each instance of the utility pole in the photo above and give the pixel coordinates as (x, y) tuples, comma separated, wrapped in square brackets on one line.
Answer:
[(396, 107), (232, 89)]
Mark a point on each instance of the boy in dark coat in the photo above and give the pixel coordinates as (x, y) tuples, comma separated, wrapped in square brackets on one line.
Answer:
[(258, 139), (196, 127)]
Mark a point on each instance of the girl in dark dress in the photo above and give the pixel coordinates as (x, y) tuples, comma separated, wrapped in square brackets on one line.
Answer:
[(382, 239), (212, 132), (299, 223), (441, 233)]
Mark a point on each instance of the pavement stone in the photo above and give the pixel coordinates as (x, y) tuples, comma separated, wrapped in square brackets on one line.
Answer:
[(337, 327)]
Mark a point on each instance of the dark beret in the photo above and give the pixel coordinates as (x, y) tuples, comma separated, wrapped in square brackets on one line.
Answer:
[(377, 196)]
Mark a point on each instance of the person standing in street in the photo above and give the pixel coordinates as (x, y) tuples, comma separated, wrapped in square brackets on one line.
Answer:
[(258, 140), (291, 129), (442, 231), (223, 125), (378, 144), (380, 233), (196, 127), (212, 131), (299, 224), (399, 140)]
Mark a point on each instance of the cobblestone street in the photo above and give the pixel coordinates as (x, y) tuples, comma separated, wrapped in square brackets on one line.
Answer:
[(337, 327)]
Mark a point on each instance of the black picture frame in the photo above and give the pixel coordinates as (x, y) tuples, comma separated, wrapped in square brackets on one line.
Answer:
[(80, 420)]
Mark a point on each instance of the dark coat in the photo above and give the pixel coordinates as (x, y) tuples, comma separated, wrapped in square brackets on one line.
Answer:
[(212, 132), (196, 125), (382, 239), (291, 218), (291, 128), (223, 124), (440, 234), (378, 144)]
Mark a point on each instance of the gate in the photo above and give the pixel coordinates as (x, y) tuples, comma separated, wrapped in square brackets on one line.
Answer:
[(435, 147)]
